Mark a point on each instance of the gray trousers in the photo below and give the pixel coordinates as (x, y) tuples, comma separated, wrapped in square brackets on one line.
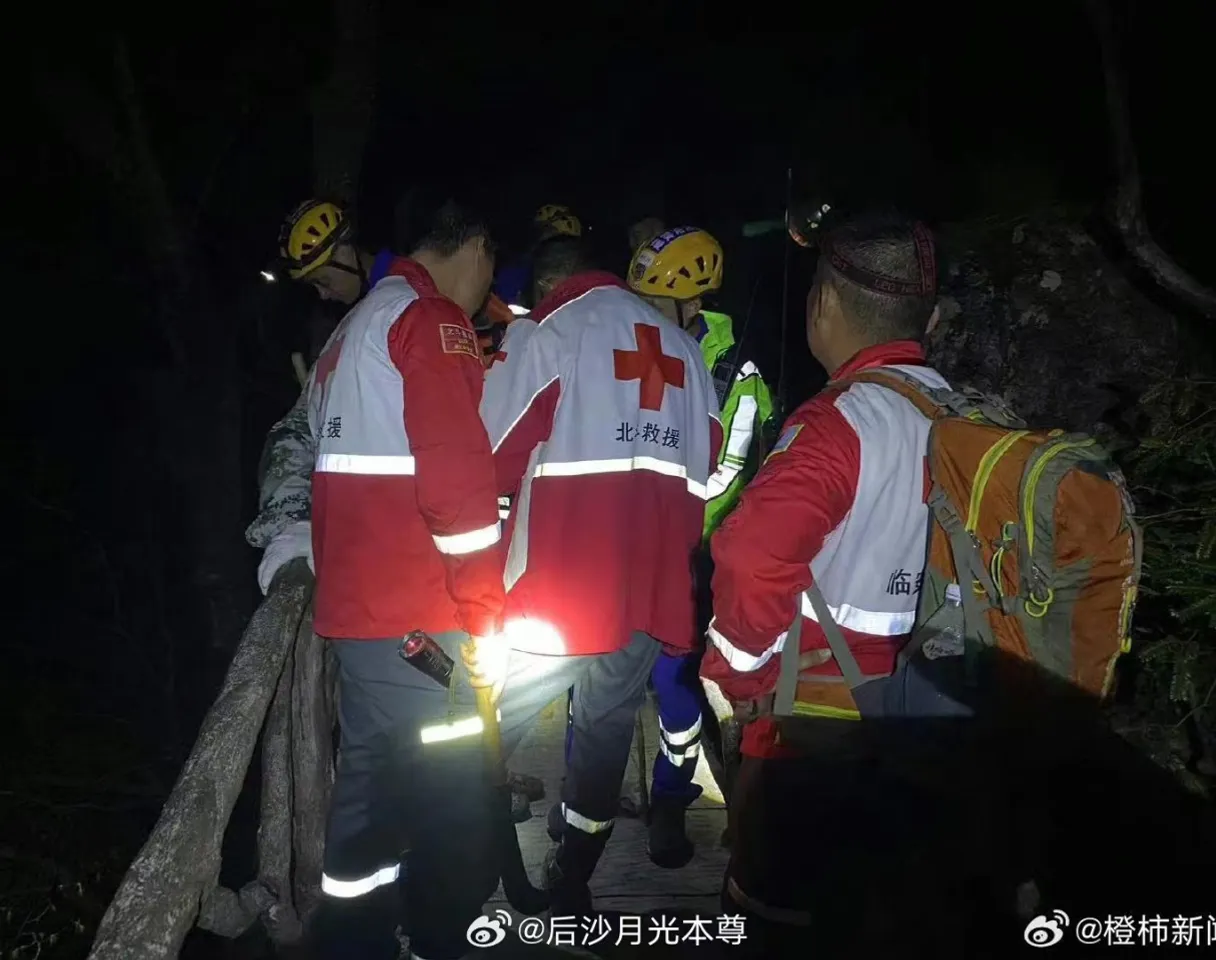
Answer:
[(608, 690), (393, 793)]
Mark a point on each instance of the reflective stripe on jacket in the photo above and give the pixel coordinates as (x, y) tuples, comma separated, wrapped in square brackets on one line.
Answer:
[(604, 423), (405, 515), (839, 502), (746, 406)]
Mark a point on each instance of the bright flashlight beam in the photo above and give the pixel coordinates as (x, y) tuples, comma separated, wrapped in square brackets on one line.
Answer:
[(268, 276)]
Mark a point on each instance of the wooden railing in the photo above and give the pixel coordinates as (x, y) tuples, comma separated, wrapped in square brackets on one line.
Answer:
[(279, 685)]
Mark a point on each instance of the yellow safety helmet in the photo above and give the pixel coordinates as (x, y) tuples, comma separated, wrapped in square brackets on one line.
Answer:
[(560, 219), (310, 234), (681, 264)]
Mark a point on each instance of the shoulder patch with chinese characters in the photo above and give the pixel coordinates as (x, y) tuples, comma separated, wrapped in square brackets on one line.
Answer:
[(784, 441), (458, 339)]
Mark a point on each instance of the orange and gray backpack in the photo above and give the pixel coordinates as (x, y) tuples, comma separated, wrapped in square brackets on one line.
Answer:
[(1033, 549)]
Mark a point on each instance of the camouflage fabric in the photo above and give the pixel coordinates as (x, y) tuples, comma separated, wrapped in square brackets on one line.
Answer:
[(285, 474)]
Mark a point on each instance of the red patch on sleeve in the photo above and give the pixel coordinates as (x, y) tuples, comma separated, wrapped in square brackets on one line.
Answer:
[(457, 339)]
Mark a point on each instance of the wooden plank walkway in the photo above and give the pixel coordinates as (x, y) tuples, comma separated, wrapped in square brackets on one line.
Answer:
[(625, 882)]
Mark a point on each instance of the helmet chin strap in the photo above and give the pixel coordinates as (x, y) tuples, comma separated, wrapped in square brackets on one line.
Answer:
[(685, 322), (358, 271)]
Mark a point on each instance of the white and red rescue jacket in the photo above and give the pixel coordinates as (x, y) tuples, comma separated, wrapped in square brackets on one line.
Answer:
[(604, 425), (404, 511), (840, 501)]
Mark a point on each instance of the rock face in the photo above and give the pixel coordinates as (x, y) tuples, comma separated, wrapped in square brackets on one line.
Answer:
[(1035, 311)]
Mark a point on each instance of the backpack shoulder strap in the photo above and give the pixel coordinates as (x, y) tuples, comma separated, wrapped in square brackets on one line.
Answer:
[(791, 652), (936, 403), (907, 387)]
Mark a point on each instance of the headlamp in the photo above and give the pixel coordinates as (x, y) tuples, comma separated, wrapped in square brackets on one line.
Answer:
[(802, 225)]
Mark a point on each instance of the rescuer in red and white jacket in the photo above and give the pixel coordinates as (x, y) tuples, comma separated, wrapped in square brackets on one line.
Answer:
[(603, 420), (840, 501), (406, 538)]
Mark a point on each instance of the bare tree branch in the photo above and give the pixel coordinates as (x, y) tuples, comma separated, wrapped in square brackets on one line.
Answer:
[(1129, 202)]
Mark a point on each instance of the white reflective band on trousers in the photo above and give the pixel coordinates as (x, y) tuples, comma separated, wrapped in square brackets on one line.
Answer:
[(872, 622), (578, 468), (365, 464), (585, 824), (454, 729), (458, 544), (679, 745), (348, 889)]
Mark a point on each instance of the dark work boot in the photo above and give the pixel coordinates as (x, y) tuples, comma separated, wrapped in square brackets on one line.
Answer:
[(568, 869), (533, 788), (667, 843), (524, 791), (361, 928), (521, 810)]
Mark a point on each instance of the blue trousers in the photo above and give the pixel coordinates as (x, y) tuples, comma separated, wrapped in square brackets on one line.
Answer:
[(677, 689)]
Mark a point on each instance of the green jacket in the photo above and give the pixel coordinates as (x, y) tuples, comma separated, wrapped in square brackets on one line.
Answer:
[(746, 407)]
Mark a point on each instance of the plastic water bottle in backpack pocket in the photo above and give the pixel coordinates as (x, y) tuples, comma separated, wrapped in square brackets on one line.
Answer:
[(945, 630)]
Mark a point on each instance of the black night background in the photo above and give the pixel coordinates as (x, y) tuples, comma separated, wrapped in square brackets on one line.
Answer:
[(158, 150)]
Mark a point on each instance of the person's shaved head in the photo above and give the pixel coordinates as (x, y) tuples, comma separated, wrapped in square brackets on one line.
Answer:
[(882, 248), (555, 260), (876, 282)]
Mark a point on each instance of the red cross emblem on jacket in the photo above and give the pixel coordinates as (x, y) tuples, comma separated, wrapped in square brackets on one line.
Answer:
[(327, 362), (650, 365)]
